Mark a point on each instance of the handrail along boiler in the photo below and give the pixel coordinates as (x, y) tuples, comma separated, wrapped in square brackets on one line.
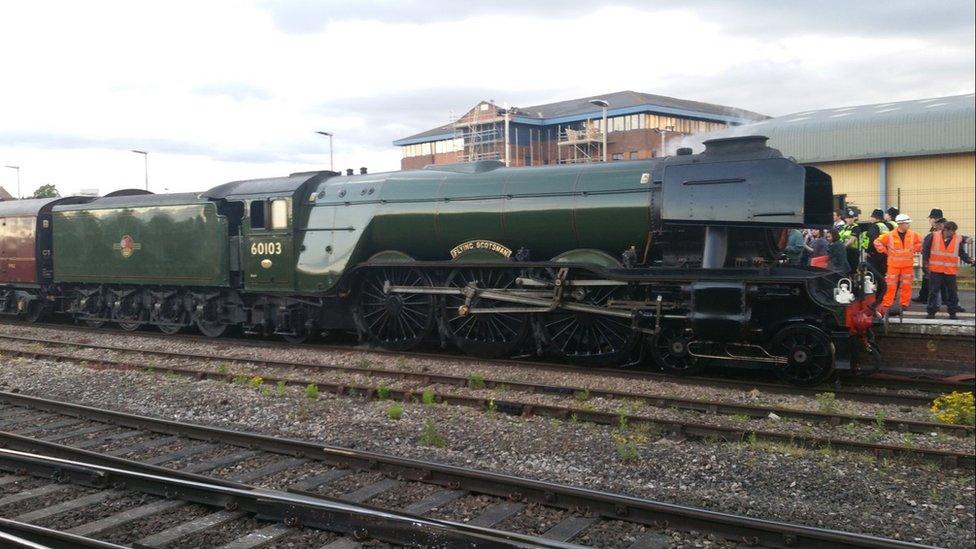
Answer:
[(672, 259)]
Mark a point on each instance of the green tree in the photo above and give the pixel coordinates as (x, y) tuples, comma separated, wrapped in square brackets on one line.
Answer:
[(47, 191)]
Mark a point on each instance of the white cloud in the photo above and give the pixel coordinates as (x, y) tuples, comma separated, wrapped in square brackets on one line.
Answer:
[(223, 90)]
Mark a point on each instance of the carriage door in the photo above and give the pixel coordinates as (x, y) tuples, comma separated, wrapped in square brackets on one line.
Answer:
[(267, 248)]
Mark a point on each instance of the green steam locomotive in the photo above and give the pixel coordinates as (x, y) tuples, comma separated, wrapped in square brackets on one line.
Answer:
[(600, 264)]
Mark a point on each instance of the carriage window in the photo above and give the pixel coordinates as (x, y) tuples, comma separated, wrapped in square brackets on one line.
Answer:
[(257, 214), (279, 214)]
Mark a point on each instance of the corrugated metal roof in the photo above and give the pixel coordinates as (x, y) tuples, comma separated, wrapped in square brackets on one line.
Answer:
[(622, 102), (939, 125)]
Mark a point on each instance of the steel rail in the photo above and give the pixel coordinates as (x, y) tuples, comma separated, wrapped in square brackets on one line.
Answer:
[(934, 387), (427, 378), (675, 427), (31, 536), (291, 509), (657, 514)]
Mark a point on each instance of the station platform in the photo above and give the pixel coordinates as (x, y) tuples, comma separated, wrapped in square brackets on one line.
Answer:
[(937, 348)]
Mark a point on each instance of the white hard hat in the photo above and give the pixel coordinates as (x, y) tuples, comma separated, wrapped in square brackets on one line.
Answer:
[(903, 218)]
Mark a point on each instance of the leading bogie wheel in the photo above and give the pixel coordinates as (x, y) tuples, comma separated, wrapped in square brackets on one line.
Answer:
[(809, 354), (485, 335), (398, 321)]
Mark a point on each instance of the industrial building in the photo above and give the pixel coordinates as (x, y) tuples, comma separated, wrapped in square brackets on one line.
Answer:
[(914, 155), (638, 125)]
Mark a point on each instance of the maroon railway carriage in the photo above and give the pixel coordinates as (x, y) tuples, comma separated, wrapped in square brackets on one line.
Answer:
[(26, 262)]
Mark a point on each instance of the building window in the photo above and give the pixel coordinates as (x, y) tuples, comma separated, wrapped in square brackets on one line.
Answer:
[(617, 156), (633, 155)]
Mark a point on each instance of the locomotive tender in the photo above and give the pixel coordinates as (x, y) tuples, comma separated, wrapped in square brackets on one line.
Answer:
[(598, 264)]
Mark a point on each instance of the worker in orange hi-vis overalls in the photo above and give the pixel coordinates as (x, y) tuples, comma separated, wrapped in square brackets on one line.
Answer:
[(900, 245)]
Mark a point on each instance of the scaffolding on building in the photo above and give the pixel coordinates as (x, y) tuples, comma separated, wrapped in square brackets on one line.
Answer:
[(580, 145), (480, 134)]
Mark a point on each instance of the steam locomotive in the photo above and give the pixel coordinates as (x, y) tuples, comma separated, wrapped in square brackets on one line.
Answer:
[(672, 260)]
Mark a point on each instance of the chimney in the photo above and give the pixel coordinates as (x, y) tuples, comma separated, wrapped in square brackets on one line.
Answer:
[(362, 171)]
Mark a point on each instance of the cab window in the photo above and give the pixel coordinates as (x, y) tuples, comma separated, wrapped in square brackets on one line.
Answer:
[(279, 214), (257, 214)]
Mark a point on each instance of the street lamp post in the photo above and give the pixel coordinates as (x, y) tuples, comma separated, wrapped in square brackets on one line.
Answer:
[(329, 135), (603, 103), (18, 179), (145, 158)]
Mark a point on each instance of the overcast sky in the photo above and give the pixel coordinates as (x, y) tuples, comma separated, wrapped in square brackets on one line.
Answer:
[(218, 91)]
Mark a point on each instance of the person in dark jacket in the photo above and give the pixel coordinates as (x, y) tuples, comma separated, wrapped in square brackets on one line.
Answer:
[(816, 246), (794, 248), (837, 253), (889, 218), (877, 260), (923, 293)]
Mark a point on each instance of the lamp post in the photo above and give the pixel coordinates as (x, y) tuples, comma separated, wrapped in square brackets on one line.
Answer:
[(603, 103), (145, 159), (329, 135), (18, 178)]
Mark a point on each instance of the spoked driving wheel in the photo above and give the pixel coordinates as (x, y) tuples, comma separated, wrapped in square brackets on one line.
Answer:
[(484, 334), (669, 347), (394, 320), (809, 354), (589, 339)]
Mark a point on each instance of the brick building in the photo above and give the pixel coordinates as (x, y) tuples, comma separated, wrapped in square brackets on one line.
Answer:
[(640, 125)]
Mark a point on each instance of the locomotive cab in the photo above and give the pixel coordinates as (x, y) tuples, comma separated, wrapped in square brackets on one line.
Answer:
[(270, 211)]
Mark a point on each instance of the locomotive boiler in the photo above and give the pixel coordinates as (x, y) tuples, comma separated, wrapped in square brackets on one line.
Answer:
[(672, 260)]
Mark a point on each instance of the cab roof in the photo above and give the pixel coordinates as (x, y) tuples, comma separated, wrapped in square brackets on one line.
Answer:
[(264, 187)]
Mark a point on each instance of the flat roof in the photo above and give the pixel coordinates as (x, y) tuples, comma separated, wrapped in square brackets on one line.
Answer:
[(620, 103)]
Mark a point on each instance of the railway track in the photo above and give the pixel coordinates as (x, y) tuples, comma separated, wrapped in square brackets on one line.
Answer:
[(113, 451), (881, 390), (698, 429), (428, 378), (216, 506)]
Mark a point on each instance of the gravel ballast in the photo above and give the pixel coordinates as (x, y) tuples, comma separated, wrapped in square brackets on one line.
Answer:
[(850, 492)]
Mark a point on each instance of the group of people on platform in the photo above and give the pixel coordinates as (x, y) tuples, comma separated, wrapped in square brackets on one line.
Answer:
[(888, 245)]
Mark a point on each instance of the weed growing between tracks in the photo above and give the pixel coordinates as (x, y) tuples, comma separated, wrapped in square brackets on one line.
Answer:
[(430, 437), (827, 402), (395, 411)]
